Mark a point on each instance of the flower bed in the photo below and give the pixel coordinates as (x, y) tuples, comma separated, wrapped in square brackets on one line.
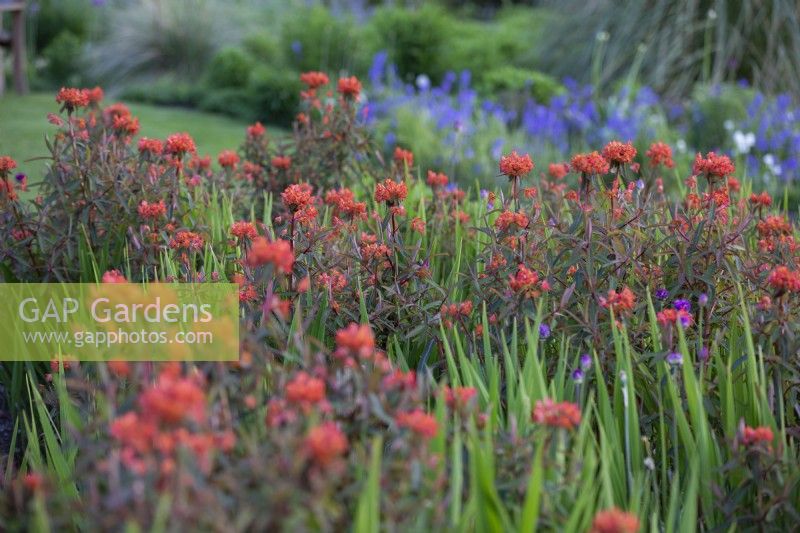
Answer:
[(576, 350)]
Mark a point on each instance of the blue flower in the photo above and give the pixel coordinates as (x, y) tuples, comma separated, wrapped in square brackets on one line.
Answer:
[(544, 331)]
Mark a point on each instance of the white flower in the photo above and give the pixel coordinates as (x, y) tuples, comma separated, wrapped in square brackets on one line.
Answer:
[(423, 82), (681, 145), (744, 141), (728, 124), (772, 164)]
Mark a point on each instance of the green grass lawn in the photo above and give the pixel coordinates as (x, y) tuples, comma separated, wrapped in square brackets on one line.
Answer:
[(23, 125)]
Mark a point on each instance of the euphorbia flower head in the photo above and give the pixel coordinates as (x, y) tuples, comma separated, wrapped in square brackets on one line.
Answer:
[(619, 153), (515, 165)]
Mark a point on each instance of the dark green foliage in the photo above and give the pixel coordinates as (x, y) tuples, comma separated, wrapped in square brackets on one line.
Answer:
[(314, 39), (415, 40), (64, 56), (274, 95), (54, 17), (166, 91), (712, 107), (508, 81), (230, 68)]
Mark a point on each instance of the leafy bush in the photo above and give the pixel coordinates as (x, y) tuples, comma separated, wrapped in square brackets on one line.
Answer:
[(167, 91), (314, 39), (239, 102), (65, 59), (415, 39), (274, 95), (513, 82), (714, 111), (230, 68), (264, 48), (54, 17)]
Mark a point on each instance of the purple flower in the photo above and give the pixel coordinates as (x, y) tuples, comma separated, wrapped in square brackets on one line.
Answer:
[(586, 361), (20, 177), (685, 320), (662, 294), (577, 375), (683, 305), (675, 359), (703, 353), (702, 299), (544, 331)]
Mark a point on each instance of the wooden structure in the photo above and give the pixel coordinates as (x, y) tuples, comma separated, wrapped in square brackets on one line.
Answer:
[(15, 41)]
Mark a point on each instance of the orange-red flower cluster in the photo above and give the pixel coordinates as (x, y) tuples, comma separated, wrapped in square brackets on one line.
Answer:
[(113, 276), (150, 146), (228, 159), (761, 200), (419, 422), (592, 163), (750, 436), (713, 165), (565, 415), (277, 253), (619, 153), (179, 144), (672, 316), (356, 340), (326, 443), (256, 130), (334, 280), (615, 521), (507, 219), (515, 165), (525, 281), (314, 79), (619, 301), (349, 87), (455, 311), (126, 125), (161, 425), (344, 202), (297, 196), (459, 397), (244, 230), (72, 98), (7, 164), (784, 280), (305, 390), (403, 157), (437, 179), (558, 170), (152, 211), (187, 240), (281, 162), (390, 191), (660, 154)]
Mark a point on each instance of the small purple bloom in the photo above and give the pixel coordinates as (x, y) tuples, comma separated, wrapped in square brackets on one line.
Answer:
[(683, 305), (20, 177), (586, 361), (544, 331), (675, 359), (297, 48), (703, 353), (577, 376), (662, 294), (702, 299), (640, 184)]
